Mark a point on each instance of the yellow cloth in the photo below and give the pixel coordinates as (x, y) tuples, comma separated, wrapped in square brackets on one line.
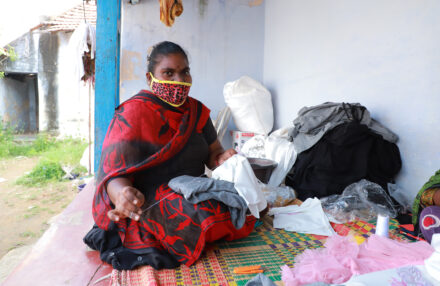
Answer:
[(169, 10)]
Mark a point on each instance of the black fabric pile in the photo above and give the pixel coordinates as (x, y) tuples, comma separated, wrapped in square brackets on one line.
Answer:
[(109, 245), (345, 154)]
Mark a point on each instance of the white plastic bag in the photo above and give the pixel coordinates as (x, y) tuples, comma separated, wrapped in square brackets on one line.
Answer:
[(251, 105), (283, 152), (278, 196), (400, 196), (254, 147), (275, 148), (363, 200), (238, 171)]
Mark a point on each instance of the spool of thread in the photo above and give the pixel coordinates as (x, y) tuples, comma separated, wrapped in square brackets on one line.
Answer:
[(382, 225)]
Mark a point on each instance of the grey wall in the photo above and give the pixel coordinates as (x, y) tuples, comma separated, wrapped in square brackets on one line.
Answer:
[(18, 102), (383, 54), (56, 100), (37, 54), (224, 40), (48, 81), (26, 48), (18, 91)]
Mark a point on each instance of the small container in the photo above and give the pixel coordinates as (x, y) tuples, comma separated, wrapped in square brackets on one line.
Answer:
[(239, 138), (262, 168), (382, 225)]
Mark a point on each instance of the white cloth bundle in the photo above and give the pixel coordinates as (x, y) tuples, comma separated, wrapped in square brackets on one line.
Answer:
[(307, 218), (238, 171)]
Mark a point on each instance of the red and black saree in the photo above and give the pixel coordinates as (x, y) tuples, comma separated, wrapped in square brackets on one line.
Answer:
[(151, 142)]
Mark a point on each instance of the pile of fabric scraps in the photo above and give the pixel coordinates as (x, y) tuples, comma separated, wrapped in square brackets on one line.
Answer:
[(342, 258), (169, 10), (339, 144)]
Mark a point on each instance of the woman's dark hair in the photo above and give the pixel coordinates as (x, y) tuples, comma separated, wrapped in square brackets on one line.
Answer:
[(162, 49)]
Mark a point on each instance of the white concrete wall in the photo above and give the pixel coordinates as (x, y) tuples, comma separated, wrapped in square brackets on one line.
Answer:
[(383, 54), (224, 40), (73, 95)]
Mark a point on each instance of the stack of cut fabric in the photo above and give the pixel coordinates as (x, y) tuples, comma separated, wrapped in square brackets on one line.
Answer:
[(339, 144)]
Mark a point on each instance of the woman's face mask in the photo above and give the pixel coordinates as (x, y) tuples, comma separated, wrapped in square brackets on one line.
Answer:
[(172, 92)]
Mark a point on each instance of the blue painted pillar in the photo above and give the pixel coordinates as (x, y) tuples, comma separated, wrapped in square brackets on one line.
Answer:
[(106, 69)]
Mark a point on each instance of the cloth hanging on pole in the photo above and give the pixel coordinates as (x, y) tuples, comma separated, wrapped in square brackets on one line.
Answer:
[(83, 40), (169, 10)]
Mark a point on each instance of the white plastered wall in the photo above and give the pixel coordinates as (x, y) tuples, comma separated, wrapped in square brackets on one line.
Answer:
[(75, 97), (223, 38), (382, 54)]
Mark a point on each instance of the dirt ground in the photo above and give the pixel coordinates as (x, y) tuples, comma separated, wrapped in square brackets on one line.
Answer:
[(25, 212)]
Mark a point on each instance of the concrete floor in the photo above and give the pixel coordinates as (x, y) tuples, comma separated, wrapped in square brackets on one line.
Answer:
[(12, 259), (60, 257)]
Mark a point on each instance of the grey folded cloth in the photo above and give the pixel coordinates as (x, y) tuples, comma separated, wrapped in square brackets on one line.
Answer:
[(199, 189), (313, 122), (260, 280)]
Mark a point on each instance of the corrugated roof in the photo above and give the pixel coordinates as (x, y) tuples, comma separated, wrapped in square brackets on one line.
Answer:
[(71, 19)]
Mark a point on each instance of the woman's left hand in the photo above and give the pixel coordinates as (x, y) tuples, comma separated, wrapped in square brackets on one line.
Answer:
[(222, 157)]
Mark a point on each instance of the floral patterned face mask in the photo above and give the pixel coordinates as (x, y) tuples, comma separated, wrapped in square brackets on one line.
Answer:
[(172, 92)]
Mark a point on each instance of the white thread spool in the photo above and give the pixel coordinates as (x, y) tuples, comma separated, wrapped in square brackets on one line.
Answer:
[(382, 225)]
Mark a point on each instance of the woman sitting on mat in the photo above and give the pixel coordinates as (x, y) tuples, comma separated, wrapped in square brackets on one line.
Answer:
[(426, 207), (153, 137)]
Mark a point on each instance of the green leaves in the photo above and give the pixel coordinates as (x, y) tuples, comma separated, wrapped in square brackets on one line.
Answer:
[(7, 53)]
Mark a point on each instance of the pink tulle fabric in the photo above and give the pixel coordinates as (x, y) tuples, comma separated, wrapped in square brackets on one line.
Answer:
[(342, 257)]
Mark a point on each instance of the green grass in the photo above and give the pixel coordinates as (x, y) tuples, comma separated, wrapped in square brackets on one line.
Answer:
[(67, 152), (43, 173), (54, 155), (10, 148)]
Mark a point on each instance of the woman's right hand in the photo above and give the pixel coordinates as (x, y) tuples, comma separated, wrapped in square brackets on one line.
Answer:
[(127, 200)]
